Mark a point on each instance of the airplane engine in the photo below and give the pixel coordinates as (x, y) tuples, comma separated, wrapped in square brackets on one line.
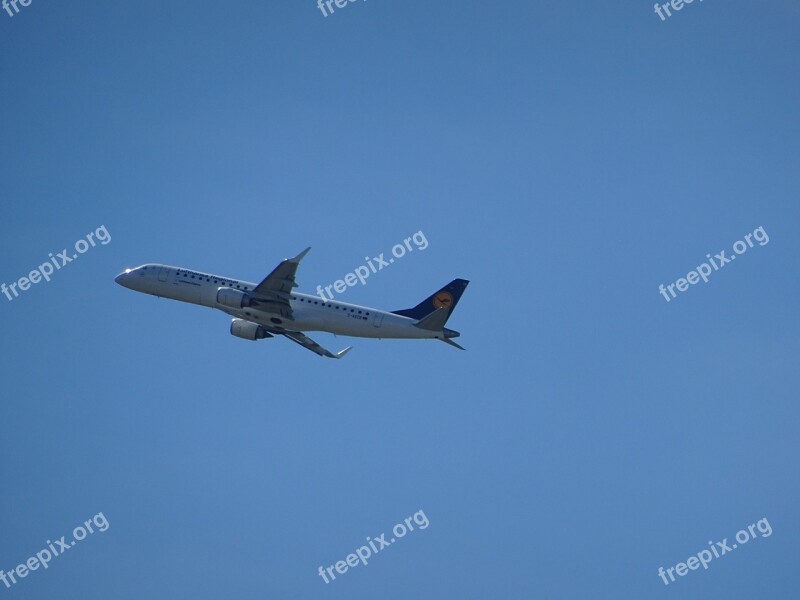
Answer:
[(232, 298), (248, 330)]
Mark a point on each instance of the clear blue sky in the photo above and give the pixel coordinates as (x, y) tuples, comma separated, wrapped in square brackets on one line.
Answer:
[(565, 157)]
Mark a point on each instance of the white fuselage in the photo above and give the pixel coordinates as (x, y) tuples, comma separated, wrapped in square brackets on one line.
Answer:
[(311, 313)]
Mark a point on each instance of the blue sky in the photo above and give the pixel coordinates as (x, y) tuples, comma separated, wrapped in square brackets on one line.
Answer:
[(566, 158)]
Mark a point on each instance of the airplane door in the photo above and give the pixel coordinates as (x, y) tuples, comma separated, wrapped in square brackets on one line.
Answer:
[(378, 319), (163, 273)]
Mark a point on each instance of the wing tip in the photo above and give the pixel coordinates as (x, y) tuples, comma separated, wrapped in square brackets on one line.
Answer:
[(341, 353), (300, 256)]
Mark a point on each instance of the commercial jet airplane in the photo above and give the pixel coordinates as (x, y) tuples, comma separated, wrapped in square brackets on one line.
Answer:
[(271, 308)]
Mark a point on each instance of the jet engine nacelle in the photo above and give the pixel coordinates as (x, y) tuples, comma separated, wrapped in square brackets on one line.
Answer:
[(248, 330), (232, 298)]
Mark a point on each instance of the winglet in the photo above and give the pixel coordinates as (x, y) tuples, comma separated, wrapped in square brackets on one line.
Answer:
[(341, 353), (300, 256)]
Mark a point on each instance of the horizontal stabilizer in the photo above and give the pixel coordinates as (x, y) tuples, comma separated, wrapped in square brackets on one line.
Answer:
[(452, 343), (434, 321)]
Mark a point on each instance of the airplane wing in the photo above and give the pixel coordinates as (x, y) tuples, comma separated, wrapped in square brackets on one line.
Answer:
[(307, 342), (273, 294)]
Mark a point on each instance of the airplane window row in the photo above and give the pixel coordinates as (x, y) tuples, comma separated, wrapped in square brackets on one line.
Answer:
[(246, 288), (329, 305), (241, 287)]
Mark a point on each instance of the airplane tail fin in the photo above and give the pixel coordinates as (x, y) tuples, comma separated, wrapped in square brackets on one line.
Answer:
[(446, 298)]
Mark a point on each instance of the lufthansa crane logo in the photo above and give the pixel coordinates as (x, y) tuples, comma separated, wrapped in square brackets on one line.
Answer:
[(443, 300)]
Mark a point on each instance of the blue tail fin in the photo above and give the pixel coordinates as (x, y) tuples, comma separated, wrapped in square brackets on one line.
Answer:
[(447, 297)]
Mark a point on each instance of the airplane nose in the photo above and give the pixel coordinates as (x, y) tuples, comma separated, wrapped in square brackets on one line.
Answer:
[(121, 279)]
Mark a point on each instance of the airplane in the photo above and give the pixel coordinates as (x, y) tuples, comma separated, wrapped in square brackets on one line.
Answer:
[(270, 308)]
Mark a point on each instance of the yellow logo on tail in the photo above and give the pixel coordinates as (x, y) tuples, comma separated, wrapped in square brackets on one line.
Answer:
[(443, 300)]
